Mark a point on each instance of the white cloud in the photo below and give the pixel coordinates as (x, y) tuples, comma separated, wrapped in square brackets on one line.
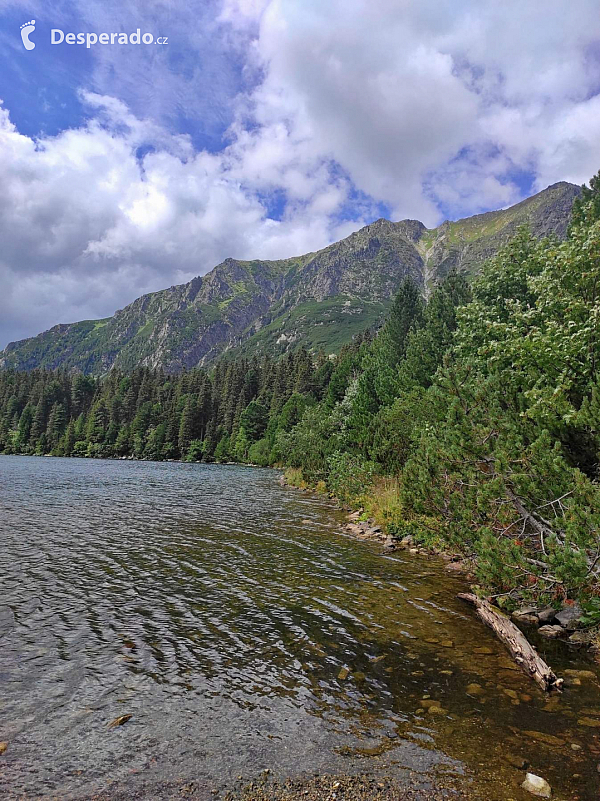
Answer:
[(432, 102)]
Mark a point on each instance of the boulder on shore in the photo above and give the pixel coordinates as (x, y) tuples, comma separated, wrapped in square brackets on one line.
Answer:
[(552, 632), (527, 616), (569, 617), (547, 616)]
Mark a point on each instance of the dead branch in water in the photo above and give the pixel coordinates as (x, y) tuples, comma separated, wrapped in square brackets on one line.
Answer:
[(524, 654)]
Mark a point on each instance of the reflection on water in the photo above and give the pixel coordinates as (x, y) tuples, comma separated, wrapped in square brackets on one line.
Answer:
[(241, 630)]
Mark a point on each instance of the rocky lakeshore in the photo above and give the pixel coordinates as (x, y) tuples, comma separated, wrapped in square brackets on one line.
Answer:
[(365, 786), (564, 623)]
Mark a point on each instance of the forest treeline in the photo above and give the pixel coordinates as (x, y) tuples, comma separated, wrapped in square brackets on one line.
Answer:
[(471, 422)]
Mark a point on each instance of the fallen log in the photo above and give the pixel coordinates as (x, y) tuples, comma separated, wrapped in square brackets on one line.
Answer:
[(524, 654)]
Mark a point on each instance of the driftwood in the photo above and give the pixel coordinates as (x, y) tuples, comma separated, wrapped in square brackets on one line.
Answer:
[(524, 654)]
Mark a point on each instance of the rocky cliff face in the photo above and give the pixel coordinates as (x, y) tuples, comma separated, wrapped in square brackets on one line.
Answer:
[(320, 299)]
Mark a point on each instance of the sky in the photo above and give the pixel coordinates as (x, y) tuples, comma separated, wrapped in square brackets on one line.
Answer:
[(266, 129)]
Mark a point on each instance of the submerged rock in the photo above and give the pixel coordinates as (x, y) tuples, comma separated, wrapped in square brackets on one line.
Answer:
[(580, 637), (580, 674), (537, 786), (516, 761), (589, 722), (543, 737), (3, 747)]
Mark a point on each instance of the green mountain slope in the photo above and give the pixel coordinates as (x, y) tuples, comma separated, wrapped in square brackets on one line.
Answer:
[(321, 299)]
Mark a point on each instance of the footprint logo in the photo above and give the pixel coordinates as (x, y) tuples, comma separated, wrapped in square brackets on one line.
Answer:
[(26, 29)]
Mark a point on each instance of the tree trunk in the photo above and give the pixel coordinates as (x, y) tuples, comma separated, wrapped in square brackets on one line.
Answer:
[(524, 654)]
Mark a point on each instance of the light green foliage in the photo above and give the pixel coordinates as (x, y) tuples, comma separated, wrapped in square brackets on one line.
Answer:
[(260, 453), (510, 461), (349, 477)]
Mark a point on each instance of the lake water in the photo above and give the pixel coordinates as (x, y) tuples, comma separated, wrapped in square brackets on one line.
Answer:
[(242, 629)]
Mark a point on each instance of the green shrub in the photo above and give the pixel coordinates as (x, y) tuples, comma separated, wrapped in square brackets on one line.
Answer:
[(350, 477)]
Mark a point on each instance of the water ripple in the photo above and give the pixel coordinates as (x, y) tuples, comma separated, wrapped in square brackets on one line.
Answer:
[(192, 598)]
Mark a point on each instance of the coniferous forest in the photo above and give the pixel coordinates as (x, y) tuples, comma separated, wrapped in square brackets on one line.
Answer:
[(470, 421)]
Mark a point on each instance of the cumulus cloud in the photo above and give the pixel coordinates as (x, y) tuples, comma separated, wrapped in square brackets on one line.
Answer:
[(331, 111)]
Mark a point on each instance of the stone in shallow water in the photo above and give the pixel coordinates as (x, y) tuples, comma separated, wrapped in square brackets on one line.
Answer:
[(516, 761), (537, 786), (483, 650), (343, 674), (377, 659), (590, 722), (475, 689), (3, 747), (543, 737), (581, 674), (580, 637)]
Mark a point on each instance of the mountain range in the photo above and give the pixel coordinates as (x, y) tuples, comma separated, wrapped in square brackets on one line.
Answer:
[(319, 300)]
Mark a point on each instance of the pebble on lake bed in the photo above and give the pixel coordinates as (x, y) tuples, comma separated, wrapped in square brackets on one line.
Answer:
[(537, 786), (3, 747)]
